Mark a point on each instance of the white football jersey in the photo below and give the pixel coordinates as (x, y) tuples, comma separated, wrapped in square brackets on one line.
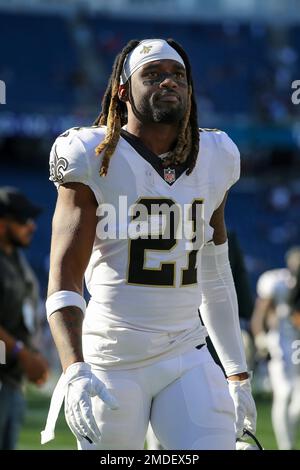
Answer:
[(145, 292), (276, 285)]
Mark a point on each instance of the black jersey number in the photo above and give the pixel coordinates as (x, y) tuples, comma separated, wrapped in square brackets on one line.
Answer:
[(164, 275)]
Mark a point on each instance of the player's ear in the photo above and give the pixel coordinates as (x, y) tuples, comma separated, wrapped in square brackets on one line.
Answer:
[(123, 93)]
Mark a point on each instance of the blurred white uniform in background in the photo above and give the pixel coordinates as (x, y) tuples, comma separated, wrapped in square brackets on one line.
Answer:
[(274, 286)]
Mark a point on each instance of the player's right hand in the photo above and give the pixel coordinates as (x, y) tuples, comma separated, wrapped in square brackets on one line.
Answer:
[(80, 385)]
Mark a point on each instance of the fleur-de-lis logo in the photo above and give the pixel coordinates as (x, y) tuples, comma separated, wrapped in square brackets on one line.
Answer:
[(57, 167), (146, 50)]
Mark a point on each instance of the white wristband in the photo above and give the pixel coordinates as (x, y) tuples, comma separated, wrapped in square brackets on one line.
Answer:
[(64, 298)]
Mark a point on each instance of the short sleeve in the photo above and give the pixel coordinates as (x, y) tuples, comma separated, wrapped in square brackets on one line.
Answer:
[(225, 166), (233, 159), (265, 286), (68, 161)]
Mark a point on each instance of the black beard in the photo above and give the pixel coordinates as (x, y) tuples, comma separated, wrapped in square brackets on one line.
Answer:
[(164, 114)]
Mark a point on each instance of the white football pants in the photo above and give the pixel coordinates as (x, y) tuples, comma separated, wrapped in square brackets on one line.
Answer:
[(286, 403), (185, 398)]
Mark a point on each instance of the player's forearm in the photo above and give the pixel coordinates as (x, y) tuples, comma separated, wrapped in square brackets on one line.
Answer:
[(65, 318), (66, 328), (219, 309), (226, 338)]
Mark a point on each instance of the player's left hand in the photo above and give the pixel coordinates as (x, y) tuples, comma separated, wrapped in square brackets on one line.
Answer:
[(245, 409)]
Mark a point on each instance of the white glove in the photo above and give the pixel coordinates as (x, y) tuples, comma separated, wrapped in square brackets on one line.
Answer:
[(245, 409), (80, 385), (242, 445)]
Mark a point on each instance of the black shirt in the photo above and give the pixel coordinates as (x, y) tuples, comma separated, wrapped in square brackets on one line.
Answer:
[(17, 287)]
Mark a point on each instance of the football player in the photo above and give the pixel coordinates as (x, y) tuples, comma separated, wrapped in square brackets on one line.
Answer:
[(137, 352), (275, 330)]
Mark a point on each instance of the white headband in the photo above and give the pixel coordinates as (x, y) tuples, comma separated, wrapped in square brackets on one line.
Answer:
[(148, 51)]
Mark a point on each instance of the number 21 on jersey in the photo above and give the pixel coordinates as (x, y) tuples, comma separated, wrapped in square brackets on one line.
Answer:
[(165, 224)]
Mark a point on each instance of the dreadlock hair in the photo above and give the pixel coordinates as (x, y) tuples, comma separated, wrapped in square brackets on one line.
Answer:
[(114, 116)]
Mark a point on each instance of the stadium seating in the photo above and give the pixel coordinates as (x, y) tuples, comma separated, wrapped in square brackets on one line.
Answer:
[(228, 59)]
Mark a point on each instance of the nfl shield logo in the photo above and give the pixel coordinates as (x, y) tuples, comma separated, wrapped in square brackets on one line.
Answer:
[(169, 175)]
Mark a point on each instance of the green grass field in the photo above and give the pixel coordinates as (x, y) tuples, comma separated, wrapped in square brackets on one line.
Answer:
[(37, 411)]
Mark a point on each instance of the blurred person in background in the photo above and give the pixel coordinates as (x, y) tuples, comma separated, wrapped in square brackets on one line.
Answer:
[(19, 300), (275, 334)]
